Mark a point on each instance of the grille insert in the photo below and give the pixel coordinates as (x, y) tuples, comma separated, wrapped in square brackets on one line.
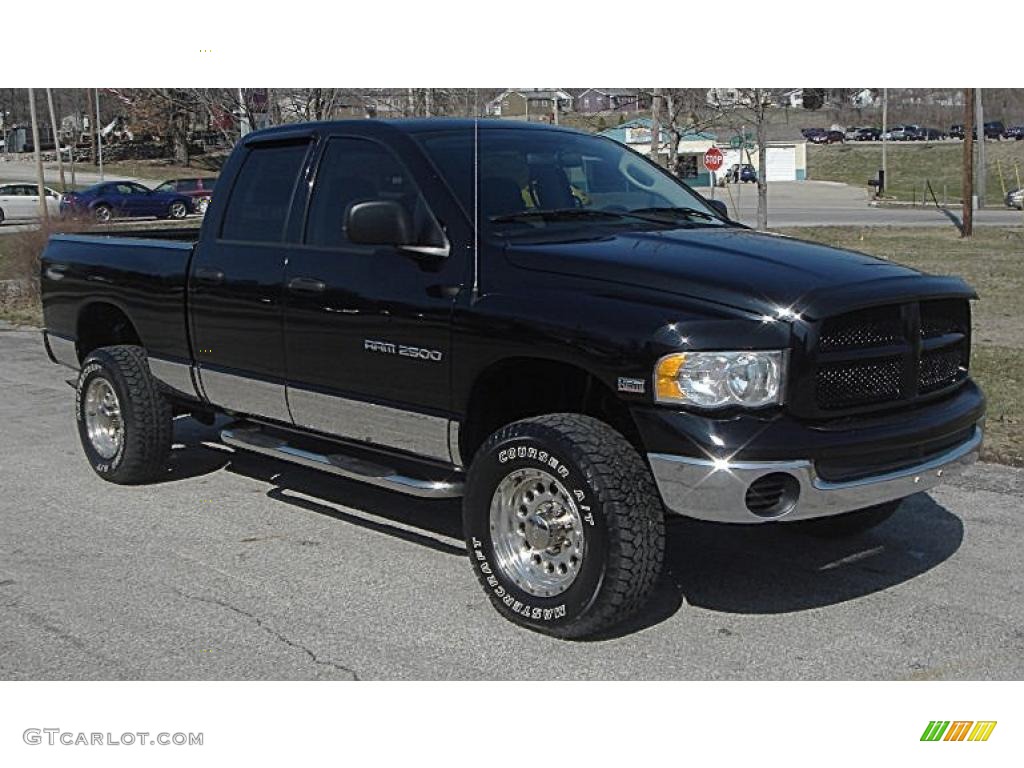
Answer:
[(941, 368), (846, 385), (877, 327)]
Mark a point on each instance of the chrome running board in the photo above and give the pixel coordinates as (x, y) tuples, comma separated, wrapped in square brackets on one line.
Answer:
[(361, 465)]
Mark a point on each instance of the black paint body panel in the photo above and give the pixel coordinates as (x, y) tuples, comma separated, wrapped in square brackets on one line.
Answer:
[(610, 305)]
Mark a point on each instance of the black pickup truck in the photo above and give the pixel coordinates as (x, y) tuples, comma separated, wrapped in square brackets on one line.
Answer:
[(537, 320)]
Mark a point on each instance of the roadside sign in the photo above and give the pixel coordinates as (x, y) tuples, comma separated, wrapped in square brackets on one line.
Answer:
[(713, 159)]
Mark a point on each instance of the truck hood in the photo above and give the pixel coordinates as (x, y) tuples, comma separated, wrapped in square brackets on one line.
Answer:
[(740, 268)]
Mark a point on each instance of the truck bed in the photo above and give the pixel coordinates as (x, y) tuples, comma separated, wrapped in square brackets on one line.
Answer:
[(140, 272)]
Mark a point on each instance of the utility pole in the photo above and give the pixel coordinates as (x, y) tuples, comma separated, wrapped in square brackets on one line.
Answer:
[(979, 168), (885, 127), (655, 125), (968, 175), (56, 140), (44, 214), (99, 135)]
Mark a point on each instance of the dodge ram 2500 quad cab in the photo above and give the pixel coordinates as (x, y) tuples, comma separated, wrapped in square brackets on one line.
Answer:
[(536, 320)]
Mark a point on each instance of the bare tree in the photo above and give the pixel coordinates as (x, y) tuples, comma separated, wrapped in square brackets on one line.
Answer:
[(754, 106)]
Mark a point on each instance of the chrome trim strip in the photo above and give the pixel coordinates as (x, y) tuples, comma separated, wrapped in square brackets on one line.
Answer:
[(388, 478), (243, 394), (716, 490), (63, 351), (371, 423), (174, 374), (454, 429)]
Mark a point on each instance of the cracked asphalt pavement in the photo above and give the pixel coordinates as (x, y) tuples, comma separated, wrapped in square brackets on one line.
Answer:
[(240, 567)]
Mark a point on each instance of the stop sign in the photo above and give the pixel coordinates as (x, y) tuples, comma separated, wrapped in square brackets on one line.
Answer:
[(713, 159)]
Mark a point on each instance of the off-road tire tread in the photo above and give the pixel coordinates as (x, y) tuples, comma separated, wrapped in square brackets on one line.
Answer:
[(633, 511), (149, 426)]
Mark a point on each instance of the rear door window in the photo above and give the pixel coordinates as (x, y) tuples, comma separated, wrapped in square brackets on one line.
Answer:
[(261, 197)]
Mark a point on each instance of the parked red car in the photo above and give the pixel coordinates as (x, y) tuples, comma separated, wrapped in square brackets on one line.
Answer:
[(199, 189)]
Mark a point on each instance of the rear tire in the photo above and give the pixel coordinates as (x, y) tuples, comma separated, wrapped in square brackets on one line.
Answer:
[(124, 422), (848, 524), (177, 210), (1, 215), (563, 524), (102, 213)]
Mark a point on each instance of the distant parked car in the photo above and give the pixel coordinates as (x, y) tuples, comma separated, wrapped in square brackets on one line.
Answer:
[(956, 131), (808, 133), (828, 137), (934, 134), (895, 133), (1015, 132), (913, 133), (199, 189), (742, 173), (867, 134), (21, 201), (995, 130), (108, 199), (1015, 199)]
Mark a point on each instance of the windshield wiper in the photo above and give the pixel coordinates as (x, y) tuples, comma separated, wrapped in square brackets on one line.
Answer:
[(560, 214), (680, 212)]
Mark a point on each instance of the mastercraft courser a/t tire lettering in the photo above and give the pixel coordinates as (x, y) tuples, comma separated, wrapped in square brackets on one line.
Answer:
[(564, 525), (124, 422)]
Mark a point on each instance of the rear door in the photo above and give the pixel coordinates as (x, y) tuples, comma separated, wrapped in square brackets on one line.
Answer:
[(367, 327), (235, 284)]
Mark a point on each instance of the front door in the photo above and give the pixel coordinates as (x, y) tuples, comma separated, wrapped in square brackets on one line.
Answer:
[(367, 327), (235, 284)]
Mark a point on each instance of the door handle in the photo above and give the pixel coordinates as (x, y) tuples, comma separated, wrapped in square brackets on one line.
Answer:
[(307, 285), (209, 275)]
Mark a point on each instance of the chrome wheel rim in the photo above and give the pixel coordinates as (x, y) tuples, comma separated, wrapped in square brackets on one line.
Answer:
[(536, 532), (103, 422), (103, 214), (178, 210)]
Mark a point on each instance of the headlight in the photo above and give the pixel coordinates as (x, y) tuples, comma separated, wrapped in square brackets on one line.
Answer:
[(720, 379)]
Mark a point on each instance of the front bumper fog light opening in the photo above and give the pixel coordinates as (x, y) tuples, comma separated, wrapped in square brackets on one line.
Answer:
[(773, 495)]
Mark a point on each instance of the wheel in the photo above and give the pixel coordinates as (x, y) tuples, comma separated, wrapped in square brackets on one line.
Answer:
[(563, 524), (124, 422), (848, 524), (102, 213), (1, 215), (177, 210)]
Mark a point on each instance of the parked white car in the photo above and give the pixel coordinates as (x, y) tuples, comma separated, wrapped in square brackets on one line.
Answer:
[(21, 201)]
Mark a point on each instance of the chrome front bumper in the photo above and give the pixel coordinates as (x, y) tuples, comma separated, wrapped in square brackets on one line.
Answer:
[(716, 490)]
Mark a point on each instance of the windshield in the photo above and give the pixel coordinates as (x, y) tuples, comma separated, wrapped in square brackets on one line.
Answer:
[(520, 181)]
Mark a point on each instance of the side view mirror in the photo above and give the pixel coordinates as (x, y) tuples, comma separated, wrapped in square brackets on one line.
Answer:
[(378, 222), (720, 208), (385, 222)]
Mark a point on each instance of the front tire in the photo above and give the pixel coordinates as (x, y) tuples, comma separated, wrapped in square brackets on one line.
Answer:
[(563, 524), (124, 422), (848, 524), (177, 210)]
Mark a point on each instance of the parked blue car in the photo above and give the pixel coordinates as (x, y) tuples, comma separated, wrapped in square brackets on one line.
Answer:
[(108, 199)]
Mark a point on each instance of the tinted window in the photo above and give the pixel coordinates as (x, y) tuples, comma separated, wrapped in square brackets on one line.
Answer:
[(262, 193), (356, 170), (188, 185), (167, 186)]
